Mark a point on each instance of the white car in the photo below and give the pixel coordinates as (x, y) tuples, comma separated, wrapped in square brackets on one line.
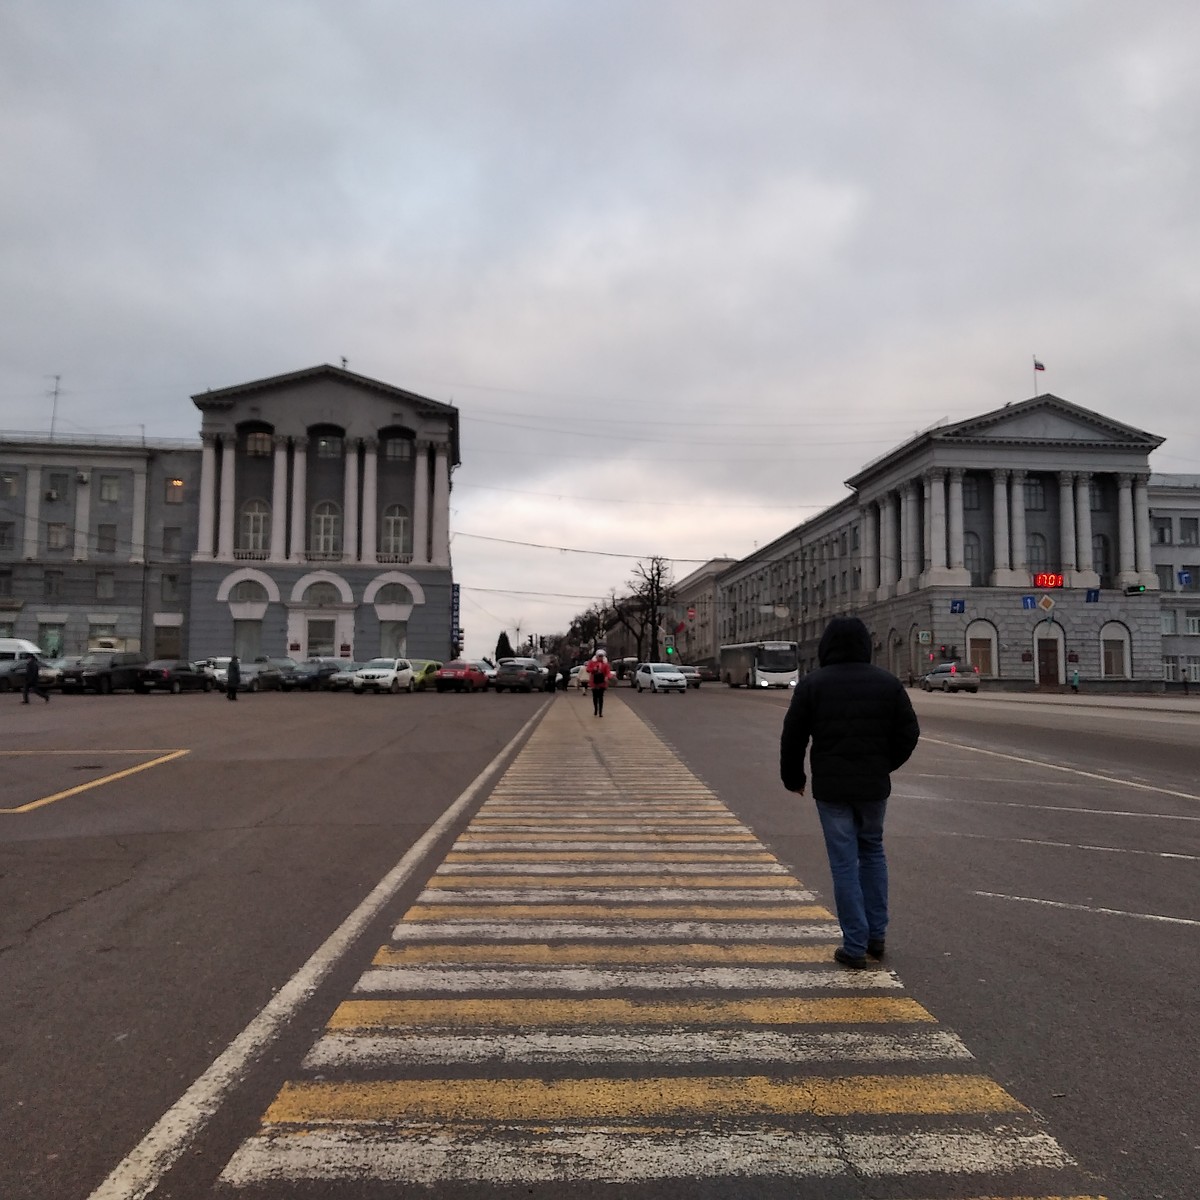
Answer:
[(660, 677), (384, 675)]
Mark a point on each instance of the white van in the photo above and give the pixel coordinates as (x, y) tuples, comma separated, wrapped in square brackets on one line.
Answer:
[(11, 648)]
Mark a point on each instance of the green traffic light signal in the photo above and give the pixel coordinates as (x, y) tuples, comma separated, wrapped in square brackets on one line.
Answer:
[(670, 650)]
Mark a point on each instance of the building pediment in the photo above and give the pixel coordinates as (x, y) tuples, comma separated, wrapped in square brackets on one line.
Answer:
[(1046, 420)]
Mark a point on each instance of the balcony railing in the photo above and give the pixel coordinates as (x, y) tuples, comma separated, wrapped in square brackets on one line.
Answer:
[(258, 555), (323, 555), (394, 558)]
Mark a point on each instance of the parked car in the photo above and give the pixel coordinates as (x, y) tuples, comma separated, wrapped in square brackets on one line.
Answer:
[(708, 674), (579, 677), (343, 678), (52, 670), (384, 675), (313, 675), (952, 677), (174, 675), (461, 676), (489, 669), (691, 674), (424, 673), (520, 675), (12, 673), (283, 669), (105, 671), (660, 677)]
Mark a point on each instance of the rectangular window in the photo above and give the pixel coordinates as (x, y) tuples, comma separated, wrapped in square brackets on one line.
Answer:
[(106, 585), (1189, 531), (56, 536), (174, 491), (1168, 668), (6, 584), (1168, 621), (1192, 623), (52, 585), (1160, 527), (1097, 497), (106, 539), (329, 446), (1035, 495), (398, 450), (110, 488), (170, 589), (1192, 573), (58, 483), (1114, 657), (1166, 577), (970, 489), (8, 485), (172, 539), (8, 535), (101, 629), (258, 445), (51, 637), (1193, 668)]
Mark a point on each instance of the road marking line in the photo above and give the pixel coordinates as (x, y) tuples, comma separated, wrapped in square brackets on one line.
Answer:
[(537, 931), (630, 912), (547, 1012), (95, 783), (141, 1171), (1049, 766), (335, 1051), (603, 870), (595, 953), (635, 979), (687, 889), (1109, 912), (987, 837)]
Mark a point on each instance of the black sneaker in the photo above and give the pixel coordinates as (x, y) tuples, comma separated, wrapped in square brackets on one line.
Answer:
[(876, 948), (849, 960)]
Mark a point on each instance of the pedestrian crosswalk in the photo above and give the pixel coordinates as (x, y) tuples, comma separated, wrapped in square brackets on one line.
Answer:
[(609, 979)]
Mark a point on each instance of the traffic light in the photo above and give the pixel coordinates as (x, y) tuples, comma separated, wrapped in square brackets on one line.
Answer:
[(670, 643), (942, 651), (1134, 589)]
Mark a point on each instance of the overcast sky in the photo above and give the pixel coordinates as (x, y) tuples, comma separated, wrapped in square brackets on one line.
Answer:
[(684, 266)]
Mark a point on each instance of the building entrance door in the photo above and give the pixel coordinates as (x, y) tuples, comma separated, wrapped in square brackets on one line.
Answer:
[(1047, 659)]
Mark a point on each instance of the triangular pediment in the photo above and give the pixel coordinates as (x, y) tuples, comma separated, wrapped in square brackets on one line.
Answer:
[(1046, 420)]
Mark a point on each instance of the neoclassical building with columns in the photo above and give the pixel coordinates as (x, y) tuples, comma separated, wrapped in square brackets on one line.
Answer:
[(323, 519), (1010, 540)]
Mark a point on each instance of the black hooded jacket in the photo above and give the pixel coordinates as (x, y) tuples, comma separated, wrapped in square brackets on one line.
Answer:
[(858, 717)]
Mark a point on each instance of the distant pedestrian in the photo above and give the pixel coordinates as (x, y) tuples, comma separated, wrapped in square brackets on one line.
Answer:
[(33, 679), (1075, 681), (233, 677), (862, 727), (599, 673), (564, 677)]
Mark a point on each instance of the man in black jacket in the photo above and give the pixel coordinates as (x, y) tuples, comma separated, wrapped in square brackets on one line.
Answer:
[(862, 728)]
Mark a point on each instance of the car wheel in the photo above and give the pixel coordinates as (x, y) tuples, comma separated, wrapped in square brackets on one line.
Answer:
[(945, 686), (394, 686), (412, 686), (176, 687), (639, 687), (104, 686)]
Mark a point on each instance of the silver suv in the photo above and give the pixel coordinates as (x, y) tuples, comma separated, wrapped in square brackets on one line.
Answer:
[(952, 677)]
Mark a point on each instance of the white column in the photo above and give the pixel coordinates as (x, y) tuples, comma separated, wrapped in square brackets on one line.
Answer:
[(279, 501), (83, 520), (937, 521), (137, 551), (869, 552), (208, 496), (1141, 532), (1020, 549), (1085, 574), (440, 523), (889, 568), (421, 507), (225, 525), (956, 519), (909, 544), (350, 502), (299, 541), (1125, 548), (370, 500), (1066, 525), (33, 508), (926, 523), (1001, 569)]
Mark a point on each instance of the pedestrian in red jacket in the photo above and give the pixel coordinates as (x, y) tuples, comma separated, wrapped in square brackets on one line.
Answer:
[(600, 673)]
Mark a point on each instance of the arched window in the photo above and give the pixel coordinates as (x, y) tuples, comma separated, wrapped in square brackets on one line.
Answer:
[(327, 528), (1035, 553), (322, 593), (395, 535), (393, 593), (973, 558), (249, 591), (255, 532)]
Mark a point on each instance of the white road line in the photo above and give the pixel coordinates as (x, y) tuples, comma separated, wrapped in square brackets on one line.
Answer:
[(141, 1171), (649, 894), (1048, 766), (615, 931), (431, 1156), (987, 837), (469, 844), (1065, 808), (1109, 912), (600, 869), (336, 1051), (555, 978)]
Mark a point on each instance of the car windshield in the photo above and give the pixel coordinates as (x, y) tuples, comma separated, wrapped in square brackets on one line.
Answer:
[(349, 666), (662, 669), (96, 660), (161, 664), (454, 666), (382, 662)]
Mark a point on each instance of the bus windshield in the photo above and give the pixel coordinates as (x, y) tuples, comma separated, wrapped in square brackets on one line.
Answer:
[(782, 658)]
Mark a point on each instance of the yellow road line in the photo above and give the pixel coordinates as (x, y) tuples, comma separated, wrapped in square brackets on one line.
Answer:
[(776, 1010), (541, 952), (608, 856), (94, 783), (776, 882), (637, 1099), (618, 912), (580, 835)]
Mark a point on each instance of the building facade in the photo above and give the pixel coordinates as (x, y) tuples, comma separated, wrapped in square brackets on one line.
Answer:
[(692, 614), (1016, 540), (312, 518), (1175, 549)]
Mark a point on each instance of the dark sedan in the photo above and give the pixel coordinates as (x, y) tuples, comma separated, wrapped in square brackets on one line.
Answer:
[(104, 671), (314, 676), (173, 675), (521, 675)]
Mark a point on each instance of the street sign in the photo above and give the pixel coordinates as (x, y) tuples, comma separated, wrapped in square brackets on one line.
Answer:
[(691, 612), (1093, 596), (924, 637), (958, 606), (1029, 602), (1046, 603), (1185, 579)]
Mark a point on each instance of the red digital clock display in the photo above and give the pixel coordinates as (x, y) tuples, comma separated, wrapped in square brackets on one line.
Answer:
[(1046, 580)]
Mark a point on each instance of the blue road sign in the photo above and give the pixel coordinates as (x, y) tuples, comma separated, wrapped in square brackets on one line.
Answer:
[(1185, 579), (958, 606), (1093, 596), (1029, 602)]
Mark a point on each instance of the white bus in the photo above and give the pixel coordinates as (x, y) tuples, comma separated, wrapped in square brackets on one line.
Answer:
[(760, 664)]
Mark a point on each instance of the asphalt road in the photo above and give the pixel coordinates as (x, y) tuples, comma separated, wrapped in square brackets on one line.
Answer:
[(1045, 907)]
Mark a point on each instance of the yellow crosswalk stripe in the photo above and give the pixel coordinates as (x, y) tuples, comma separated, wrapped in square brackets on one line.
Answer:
[(626, 912), (533, 952)]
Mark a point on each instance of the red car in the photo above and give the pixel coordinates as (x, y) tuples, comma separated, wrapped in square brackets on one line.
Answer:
[(460, 676)]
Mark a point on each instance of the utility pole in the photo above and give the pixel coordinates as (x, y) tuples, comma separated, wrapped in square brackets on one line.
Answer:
[(54, 407)]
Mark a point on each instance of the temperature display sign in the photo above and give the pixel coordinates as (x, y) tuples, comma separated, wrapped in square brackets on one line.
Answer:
[(1045, 579)]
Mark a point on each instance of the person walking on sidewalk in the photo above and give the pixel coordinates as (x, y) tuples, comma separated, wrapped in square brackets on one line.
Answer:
[(233, 678), (33, 679), (600, 673), (861, 725)]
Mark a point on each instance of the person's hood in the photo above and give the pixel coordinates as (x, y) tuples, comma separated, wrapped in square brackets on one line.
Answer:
[(845, 640)]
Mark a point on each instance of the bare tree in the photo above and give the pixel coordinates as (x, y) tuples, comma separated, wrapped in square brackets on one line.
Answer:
[(651, 588)]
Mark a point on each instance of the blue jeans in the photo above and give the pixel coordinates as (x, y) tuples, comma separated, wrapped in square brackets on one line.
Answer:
[(854, 842)]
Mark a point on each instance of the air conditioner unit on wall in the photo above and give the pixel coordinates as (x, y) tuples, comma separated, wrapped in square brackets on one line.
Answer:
[(82, 477), (51, 494)]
